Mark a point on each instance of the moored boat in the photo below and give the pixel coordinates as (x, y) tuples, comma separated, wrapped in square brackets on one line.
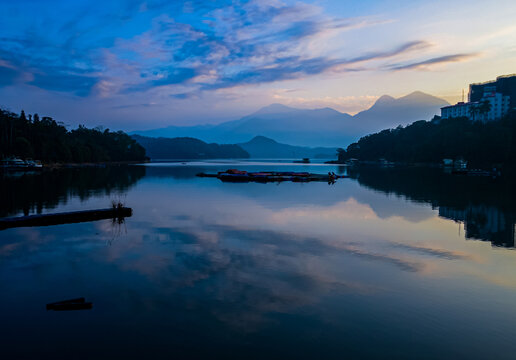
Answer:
[(13, 163)]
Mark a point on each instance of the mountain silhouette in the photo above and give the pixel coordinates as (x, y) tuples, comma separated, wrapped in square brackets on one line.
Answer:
[(312, 127), (388, 112)]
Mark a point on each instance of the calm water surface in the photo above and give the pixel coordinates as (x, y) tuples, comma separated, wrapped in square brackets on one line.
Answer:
[(405, 263)]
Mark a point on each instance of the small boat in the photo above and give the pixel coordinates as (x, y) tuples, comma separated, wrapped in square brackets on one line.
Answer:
[(14, 163), (72, 304), (33, 164)]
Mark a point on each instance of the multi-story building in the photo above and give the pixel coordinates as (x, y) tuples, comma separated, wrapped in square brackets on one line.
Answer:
[(487, 101), (461, 109), (505, 85), (499, 105)]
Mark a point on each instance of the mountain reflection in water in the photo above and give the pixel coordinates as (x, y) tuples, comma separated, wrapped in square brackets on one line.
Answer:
[(372, 267)]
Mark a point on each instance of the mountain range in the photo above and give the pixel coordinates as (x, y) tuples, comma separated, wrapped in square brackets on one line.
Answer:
[(316, 127), (259, 147)]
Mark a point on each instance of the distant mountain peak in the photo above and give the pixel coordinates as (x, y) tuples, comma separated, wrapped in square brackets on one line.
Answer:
[(384, 99), (262, 140), (419, 96), (329, 111), (417, 93), (414, 98), (280, 109), (275, 108)]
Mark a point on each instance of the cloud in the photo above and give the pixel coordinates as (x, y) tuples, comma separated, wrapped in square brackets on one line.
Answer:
[(287, 243), (171, 76), (244, 44), (46, 66), (185, 47), (404, 48), (440, 253), (8, 75), (75, 84), (434, 61), (400, 263), (294, 67), (128, 106), (183, 96)]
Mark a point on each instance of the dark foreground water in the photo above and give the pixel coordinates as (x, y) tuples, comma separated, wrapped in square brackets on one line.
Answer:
[(393, 263)]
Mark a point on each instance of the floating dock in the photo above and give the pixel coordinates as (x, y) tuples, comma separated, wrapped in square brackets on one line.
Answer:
[(65, 218), (233, 175)]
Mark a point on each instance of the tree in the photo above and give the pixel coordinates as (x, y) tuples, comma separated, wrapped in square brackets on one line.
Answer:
[(341, 155), (23, 148), (484, 108), (474, 111)]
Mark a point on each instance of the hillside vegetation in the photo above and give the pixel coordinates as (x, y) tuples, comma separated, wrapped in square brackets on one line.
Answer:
[(481, 144), (265, 148), (188, 148), (46, 140)]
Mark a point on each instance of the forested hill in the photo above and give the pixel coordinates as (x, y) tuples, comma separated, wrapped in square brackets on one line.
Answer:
[(46, 140), (188, 148), (481, 144), (265, 148)]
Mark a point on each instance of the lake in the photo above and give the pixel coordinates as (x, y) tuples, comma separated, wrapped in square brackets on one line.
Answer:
[(404, 263)]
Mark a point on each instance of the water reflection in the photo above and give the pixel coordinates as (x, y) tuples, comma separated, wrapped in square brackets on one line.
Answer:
[(484, 205), (363, 269), (483, 222), (37, 191)]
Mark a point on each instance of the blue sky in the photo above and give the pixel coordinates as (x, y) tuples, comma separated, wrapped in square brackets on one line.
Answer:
[(141, 64)]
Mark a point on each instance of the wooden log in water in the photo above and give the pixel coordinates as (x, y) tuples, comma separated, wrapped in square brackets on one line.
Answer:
[(73, 304), (65, 218)]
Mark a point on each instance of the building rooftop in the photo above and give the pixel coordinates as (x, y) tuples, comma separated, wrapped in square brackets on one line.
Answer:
[(492, 81), (460, 103)]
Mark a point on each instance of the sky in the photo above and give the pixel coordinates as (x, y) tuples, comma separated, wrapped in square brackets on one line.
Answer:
[(137, 64)]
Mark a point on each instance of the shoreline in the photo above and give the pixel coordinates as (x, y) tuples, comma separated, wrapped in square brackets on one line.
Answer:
[(96, 164)]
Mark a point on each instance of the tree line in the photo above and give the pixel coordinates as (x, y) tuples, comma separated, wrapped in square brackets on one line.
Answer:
[(482, 144), (49, 141)]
